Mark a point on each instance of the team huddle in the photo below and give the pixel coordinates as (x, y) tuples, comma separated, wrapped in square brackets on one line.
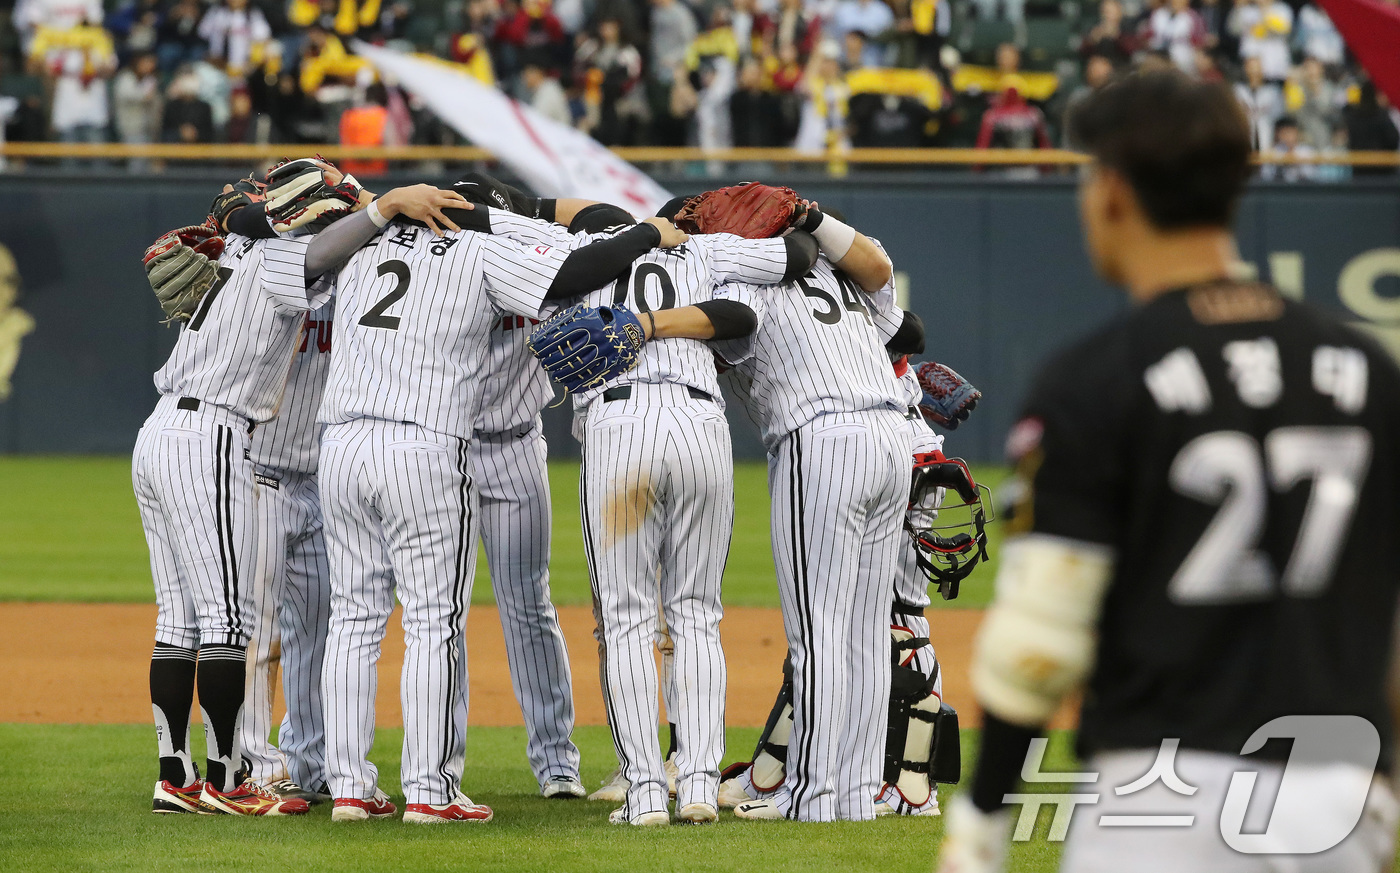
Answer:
[(291, 487)]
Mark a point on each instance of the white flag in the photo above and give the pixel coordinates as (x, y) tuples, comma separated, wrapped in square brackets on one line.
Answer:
[(555, 160)]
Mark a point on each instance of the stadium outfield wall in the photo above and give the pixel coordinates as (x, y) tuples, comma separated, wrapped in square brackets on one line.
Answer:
[(995, 267)]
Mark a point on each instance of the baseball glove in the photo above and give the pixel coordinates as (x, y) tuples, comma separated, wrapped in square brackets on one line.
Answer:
[(181, 266), (245, 192), (299, 197), (948, 398), (751, 210), (583, 347)]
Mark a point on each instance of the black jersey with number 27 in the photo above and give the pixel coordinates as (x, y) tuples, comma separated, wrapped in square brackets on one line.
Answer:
[(1238, 451)]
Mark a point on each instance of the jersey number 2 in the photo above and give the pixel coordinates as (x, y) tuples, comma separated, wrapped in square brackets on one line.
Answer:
[(1227, 468), (376, 317)]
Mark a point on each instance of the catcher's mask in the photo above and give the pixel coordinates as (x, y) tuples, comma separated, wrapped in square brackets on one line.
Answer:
[(949, 548)]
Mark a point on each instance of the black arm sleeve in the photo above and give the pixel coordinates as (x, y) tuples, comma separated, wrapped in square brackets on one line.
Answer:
[(478, 219), (909, 339), (251, 221), (597, 264), (801, 254), (731, 319), (531, 207)]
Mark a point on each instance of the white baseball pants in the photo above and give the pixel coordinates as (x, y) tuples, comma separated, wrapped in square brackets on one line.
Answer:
[(399, 516)]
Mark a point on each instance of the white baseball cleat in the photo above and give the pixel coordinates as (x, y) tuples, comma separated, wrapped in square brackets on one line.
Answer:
[(353, 809), (646, 819), (614, 788), (891, 802), (563, 787), (698, 813), (733, 792), (759, 810), (672, 774), (460, 808)]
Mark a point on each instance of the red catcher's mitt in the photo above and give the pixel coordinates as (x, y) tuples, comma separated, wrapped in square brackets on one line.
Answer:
[(751, 210)]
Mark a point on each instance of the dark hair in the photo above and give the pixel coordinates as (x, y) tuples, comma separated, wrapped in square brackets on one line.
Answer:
[(1286, 121), (1182, 145)]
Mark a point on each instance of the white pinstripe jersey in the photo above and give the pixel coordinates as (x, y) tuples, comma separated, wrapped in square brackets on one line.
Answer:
[(909, 386), (717, 266), (414, 314), (292, 440), (514, 387), (817, 351), (236, 349)]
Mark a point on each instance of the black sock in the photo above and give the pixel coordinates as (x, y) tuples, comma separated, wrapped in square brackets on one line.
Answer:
[(222, 670), (671, 747), (172, 692)]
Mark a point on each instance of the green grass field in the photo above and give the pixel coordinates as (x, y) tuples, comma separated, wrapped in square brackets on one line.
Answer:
[(76, 798), (69, 530)]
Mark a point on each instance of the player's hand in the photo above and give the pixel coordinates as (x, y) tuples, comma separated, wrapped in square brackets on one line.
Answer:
[(424, 203), (671, 236)]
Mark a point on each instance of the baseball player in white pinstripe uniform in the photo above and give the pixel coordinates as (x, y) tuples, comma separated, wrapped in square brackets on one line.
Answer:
[(657, 501), (414, 314), (291, 585), (512, 482), (832, 418), (194, 485)]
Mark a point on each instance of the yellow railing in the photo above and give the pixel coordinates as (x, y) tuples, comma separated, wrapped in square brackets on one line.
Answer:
[(638, 154)]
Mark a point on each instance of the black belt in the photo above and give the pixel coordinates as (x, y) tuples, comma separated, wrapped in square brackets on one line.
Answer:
[(908, 609), (624, 392), (192, 404), (913, 414)]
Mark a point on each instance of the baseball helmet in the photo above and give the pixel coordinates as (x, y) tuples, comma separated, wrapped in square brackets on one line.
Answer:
[(950, 538)]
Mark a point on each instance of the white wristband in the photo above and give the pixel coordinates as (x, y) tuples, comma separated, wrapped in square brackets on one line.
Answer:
[(375, 215), (834, 237)]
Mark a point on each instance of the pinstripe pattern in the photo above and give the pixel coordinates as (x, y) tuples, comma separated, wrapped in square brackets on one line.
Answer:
[(194, 488), (239, 355), (427, 370), (292, 606), (513, 490), (398, 503), (292, 440), (845, 476), (657, 494)]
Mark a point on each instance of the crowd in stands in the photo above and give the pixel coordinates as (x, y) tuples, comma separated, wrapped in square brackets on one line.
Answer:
[(813, 74)]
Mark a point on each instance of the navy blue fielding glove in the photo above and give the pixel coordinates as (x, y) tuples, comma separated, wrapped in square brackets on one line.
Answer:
[(948, 398), (583, 347)]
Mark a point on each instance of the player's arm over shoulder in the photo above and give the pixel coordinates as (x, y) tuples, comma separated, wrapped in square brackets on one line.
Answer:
[(759, 261)]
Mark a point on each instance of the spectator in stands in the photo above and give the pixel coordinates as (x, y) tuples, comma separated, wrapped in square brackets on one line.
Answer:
[(1263, 27), (394, 20), (853, 55), (791, 25), (292, 116), (1371, 127), (1014, 10), (1262, 101), (177, 39), (1012, 123), (1219, 41), (929, 23), (531, 32), (870, 18), (324, 61), (30, 15), (1098, 71), (242, 124), (343, 17), (1176, 29), (136, 95), (673, 29), (716, 41), (366, 124), (1337, 148), (753, 110), (134, 26), (743, 21), (825, 95), (469, 50), (1109, 37), (1317, 37), (186, 118), (1206, 68), (612, 72), (1315, 101), (76, 62), (234, 32), (1288, 142), (543, 93)]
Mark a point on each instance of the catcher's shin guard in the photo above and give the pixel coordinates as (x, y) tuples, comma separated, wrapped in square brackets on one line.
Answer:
[(769, 767), (921, 742)]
